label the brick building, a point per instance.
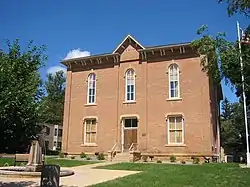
(156, 99)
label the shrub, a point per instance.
(144, 158)
(100, 156)
(183, 162)
(65, 154)
(159, 161)
(96, 153)
(88, 158)
(196, 160)
(172, 158)
(72, 157)
(51, 152)
(151, 157)
(83, 155)
(61, 155)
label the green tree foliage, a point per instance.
(233, 136)
(52, 105)
(237, 6)
(221, 59)
(20, 91)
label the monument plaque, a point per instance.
(50, 176)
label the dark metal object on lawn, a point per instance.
(50, 176)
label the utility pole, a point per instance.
(243, 93)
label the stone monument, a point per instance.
(35, 160)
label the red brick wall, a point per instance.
(152, 106)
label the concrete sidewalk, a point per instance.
(84, 176)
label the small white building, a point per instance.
(52, 136)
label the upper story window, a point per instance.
(130, 85)
(91, 88)
(47, 129)
(174, 83)
(55, 132)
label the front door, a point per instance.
(130, 132)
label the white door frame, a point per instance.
(124, 128)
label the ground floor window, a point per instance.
(90, 131)
(175, 130)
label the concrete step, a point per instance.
(126, 157)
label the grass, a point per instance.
(50, 160)
(207, 175)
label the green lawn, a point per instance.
(168, 175)
(61, 162)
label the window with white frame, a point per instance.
(174, 85)
(91, 88)
(175, 130)
(130, 85)
(90, 130)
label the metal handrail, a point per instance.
(114, 147)
(132, 146)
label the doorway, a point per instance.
(129, 133)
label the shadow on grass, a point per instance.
(25, 184)
(18, 184)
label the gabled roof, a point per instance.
(130, 39)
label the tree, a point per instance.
(52, 105)
(20, 91)
(233, 137)
(221, 59)
(237, 6)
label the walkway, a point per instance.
(84, 176)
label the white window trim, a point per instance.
(126, 83)
(88, 82)
(169, 81)
(181, 143)
(85, 130)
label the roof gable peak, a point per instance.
(128, 40)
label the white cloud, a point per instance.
(55, 69)
(75, 53)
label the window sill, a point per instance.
(129, 102)
(89, 145)
(174, 99)
(90, 104)
(175, 145)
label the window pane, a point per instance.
(172, 92)
(93, 127)
(92, 137)
(178, 123)
(88, 126)
(171, 123)
(127, 123)
(128, 89)
(132, 96)
(172, 136)
(128, 97)
(87, 137)
(132, 88)
(92, 99)
(178, 136)
(134, 123)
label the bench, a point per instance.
(24, 158)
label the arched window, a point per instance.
(130, 85)
(91, 88)
(174, 85)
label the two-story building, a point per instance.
(52, 136)
(157, 98)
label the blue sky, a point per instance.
(92, 27)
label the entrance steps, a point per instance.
(123, 157)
